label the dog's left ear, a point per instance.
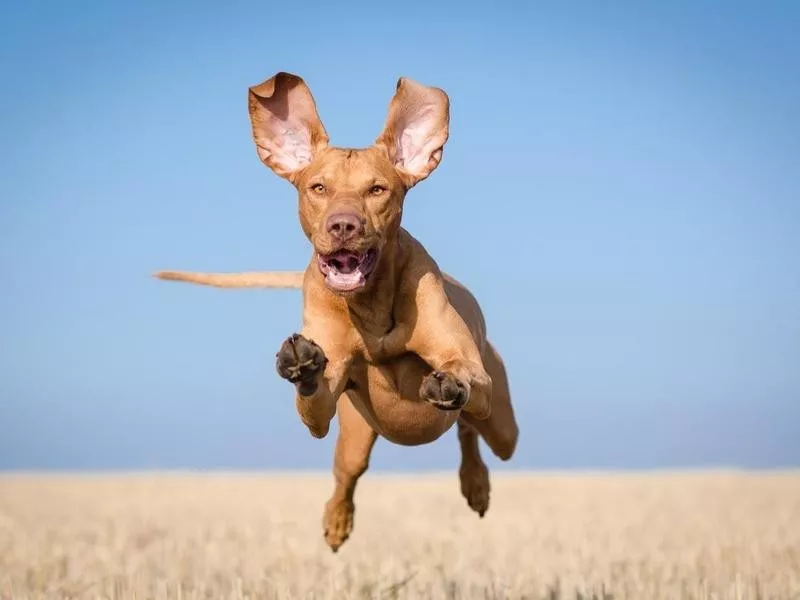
(416, 130)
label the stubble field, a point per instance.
(700, 535)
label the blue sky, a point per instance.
(621, 191)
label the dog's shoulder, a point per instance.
(418, 262)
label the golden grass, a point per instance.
(702, 535)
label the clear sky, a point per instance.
(621, 191)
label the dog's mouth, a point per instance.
(347, 270)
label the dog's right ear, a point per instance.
(286, 127)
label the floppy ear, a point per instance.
(286, 127)
(416, 129)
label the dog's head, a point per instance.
(350, 201)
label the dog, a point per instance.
(389, 343)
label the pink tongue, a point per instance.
(344, 280)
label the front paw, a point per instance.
(444, 391)
(300, 361)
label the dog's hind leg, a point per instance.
(351, 460)
(500, 430)
(473, 474)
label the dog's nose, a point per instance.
(344, 226)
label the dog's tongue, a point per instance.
(345, 281)
(344, 270)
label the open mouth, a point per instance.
(346, 270)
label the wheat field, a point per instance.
(645, 536)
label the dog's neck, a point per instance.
(372, 311)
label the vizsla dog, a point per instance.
(392, 345)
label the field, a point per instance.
(698, 535)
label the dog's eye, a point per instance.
(318, 188)
(376, 190)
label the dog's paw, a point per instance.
(337, 523)
(475, 486)
(300, 361)
(444, 391)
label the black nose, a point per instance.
(345, 225)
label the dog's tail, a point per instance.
(250, 279)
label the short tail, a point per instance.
(253, 279)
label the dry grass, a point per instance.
(703, 535)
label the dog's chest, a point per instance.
(371, 348)
(368, 339)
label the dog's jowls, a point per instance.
(392, 345)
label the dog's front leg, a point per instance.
(457, 382)
(441, 338)
(318, 379)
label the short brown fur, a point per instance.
(405, 355)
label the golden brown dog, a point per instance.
(389, 342)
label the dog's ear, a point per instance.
(416, 129)
(286, 127)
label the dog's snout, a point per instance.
(345, 225)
